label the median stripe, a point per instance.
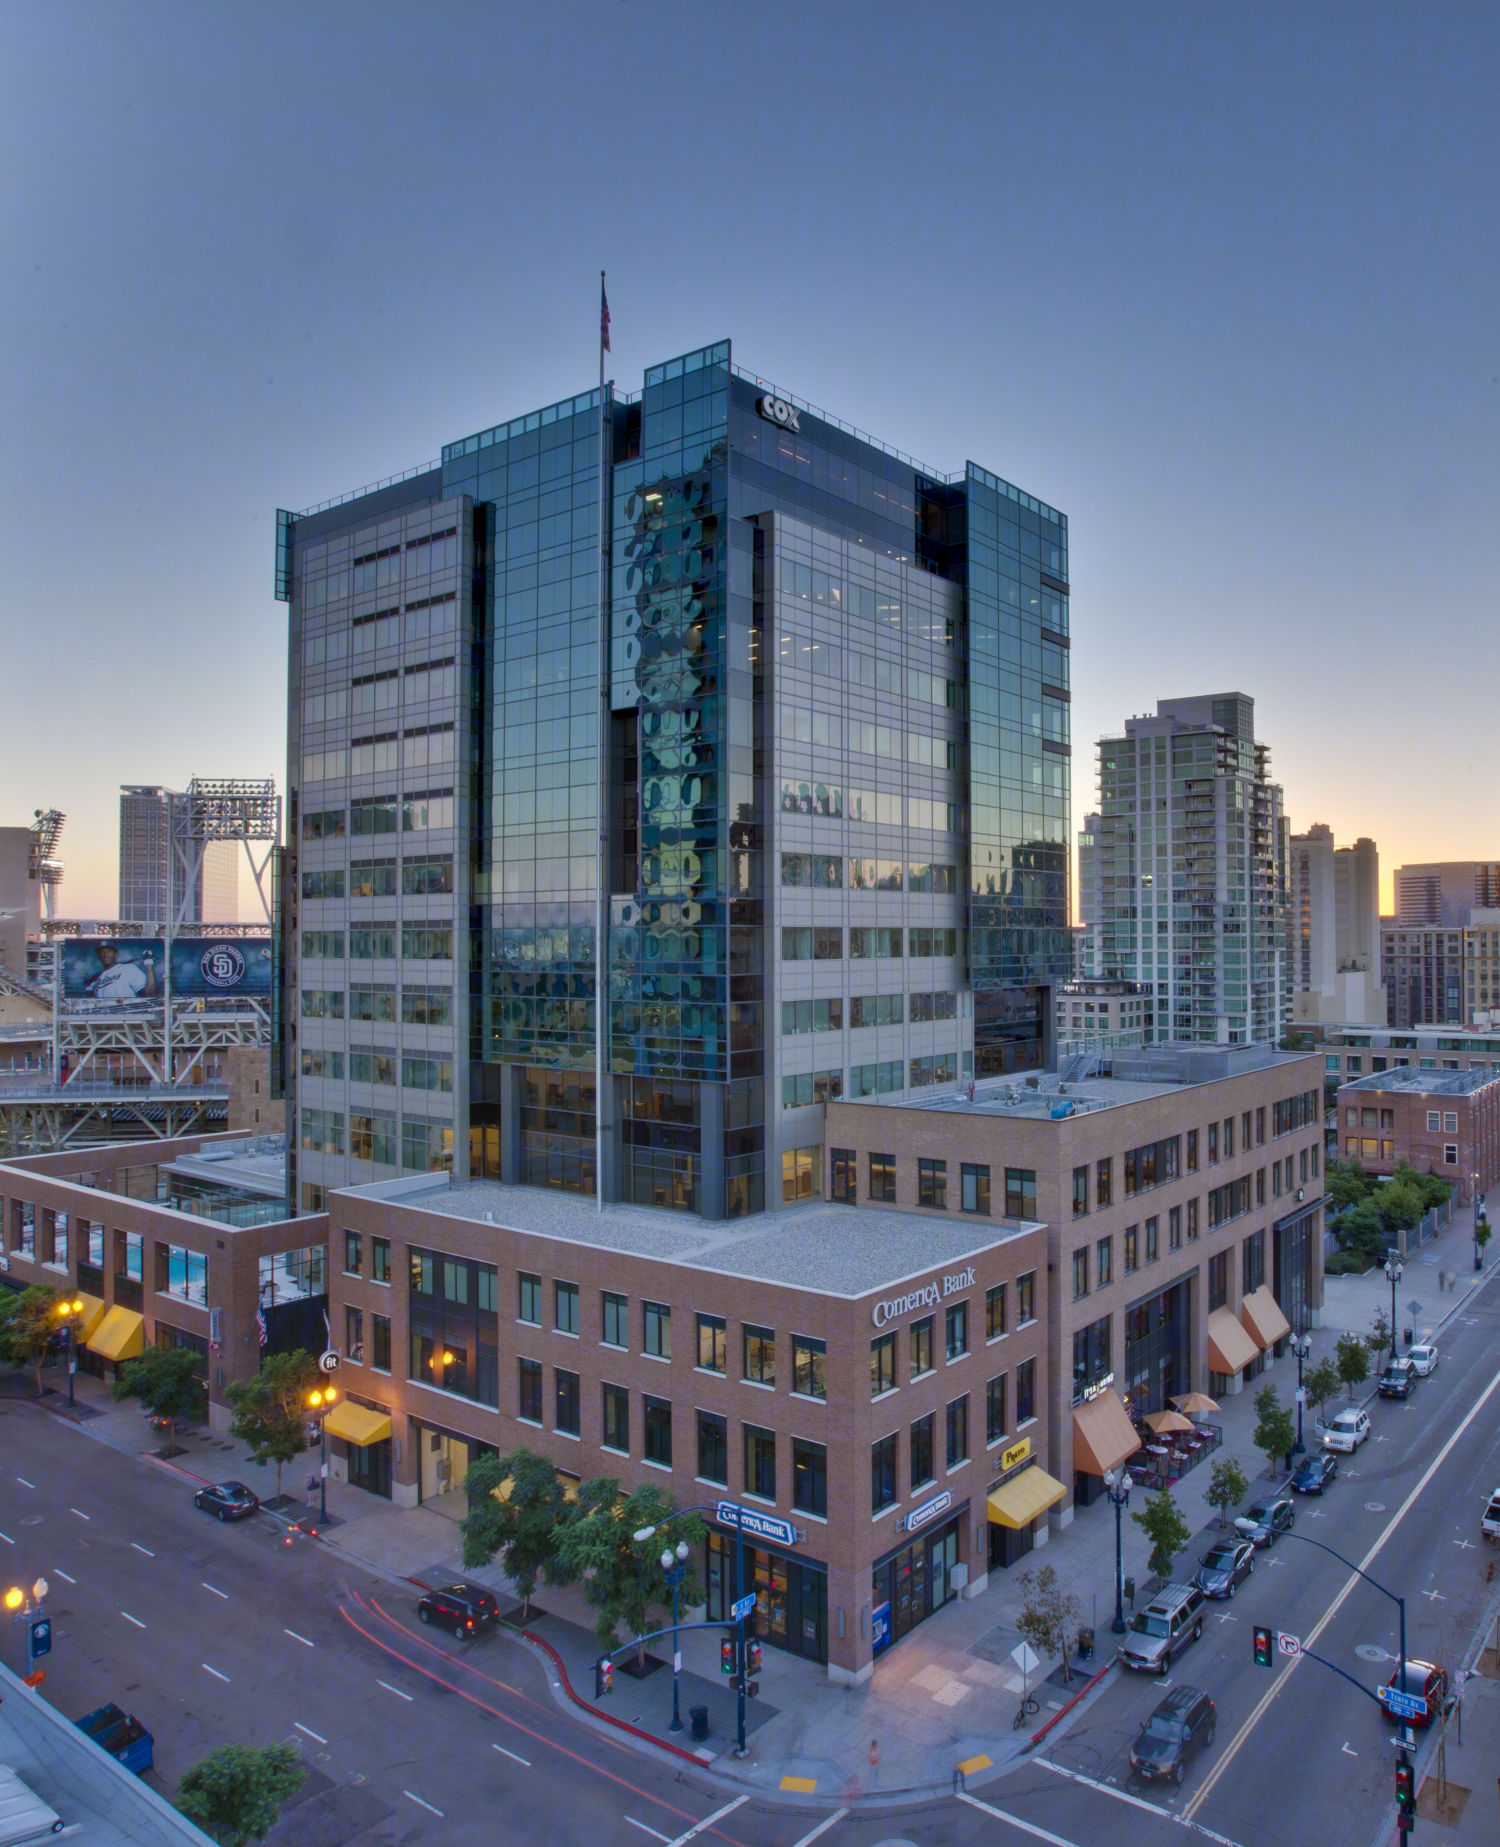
(215, 1672)
(422, 1805)
(132, 1619)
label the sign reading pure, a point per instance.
(928, 1296)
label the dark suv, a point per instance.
(463, 1608)
(1182, 1724)
(1397, 1379)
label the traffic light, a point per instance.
(1263, 1646)
(1406, 1787)
(604, 1677)
(726, 1653)
(609, 1676)
(752, 1656)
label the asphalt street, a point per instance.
(213, 1633)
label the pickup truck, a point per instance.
(1489, 1524)
(122, 1735)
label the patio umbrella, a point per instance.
(1163, 1422)
(1195, 1403)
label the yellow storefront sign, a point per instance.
(1018, 1452)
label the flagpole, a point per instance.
(601, 867)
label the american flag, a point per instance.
(603, 315)
(260, 1326)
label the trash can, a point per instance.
(699, 1717)
(1130, 1591)
(1406, 1332)
(1085, 1644)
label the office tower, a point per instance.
(1443, 893)
(1086, 957)
(154, 877)
(836, 756)
(1334, 941)
(1191, 850)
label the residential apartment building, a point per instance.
(1094, 1012)
(1191, 856)
(1442, 1122)
(1086, 960)
(835, 763)
(155, 873)
(1443, 892)
(1423, 970)
(1335, 929)
(1358, 1051)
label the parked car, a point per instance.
(230, 1500)
(1489, 1520)
(1159, 1633)
(1424, 1358)
(1425, 1681)
(1347, 1431)
(1397, 1379)
(463, 1608)
(1314, 1474)
(1224, 1567)
(122, 1735)
(1182, 1725)
(1264, 1519)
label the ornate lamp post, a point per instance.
(674, 1567)
(68, 1311)
(1394, 1271)
(1301, 1345)
(322, 1401)
(1117, 1487)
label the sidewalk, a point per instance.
(1456, 1771)
(946, 1696)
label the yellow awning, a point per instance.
(507, 1487)
(121, 1335)
(357, 1425)
(1103, 1435)
(1230, 1348)
(1017, 1503)
(1263, 1319)
(93, 1314)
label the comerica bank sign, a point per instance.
(928, 1296)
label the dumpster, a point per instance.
(122, 1735)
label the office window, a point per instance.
(529, 1391)
(353, 1253)
(1020, 1193)
(882, 1364)
(1229, 1138)
(809, 1366)
(1025, 1298)
(809, 1477)
(883, 1177)
(380, 1260)
(1260, 1186)
(1153, 1164)
(882, 1473)
(1213, 1142)
(713, 1447)
(567, 1401)
(994, 1312)
(529, 1298)
(994, 1409)
(760, 1355)
(1104, 1262)
(658, 1416)
(845, 1168)
(760, 1462)
(921, 1450)
(1450, 1154)
(1025, 1392)
(1253, 1261)
(380, 1343)
(1192, 1219)
(956, 1342)
(656, 1330)
(616, 1320)
(1174, 1228)
(1132, 1242)
(1080, 1272)
(1153, 1240)
(1450, 1122)
(1260, 1125)
(712, 1343)
(1080, 1191)
(617, 1418)
(1192, 1151)
(975, 1183)
(919, 1357)
(1103, 1189)
(354, 1334)
(1218, 1280)
(932, 1184)
(957, 1423)
(565, 1299)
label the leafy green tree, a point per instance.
(28, 1327)
(1351, 1358)
(1319, 1384)
(271, 1410)
(1163, 1524)
(1379, 1338)
(237, 1792)
(1275, 1427)
(167, 1380)
(1482, 1236)
(1345, 1184)
(1227, 1487)
(1047, 1614)
(621, 1578)
(1363, 1231)
(521, 1529)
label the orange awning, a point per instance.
(1263, 1319)
(1103, 1435)
(1230, 1348)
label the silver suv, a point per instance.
(1159, 1633)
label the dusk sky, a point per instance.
(1221, 288)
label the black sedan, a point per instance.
(1224, 1567)
(1261, 1522)
(229, 1500)
(1315, 1474)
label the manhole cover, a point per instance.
(1371, 1651)
(1374, 1507)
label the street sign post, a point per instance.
(1403, 1705)
(739, 1611)
(1289, 1644)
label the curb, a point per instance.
(622, 1725)
(1063, 1711)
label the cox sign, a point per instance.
(777, 410)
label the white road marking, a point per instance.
(1464, 1545)
(519, 1760)
(708, 1821)
(24, 1483)
(1026, 1827)
(299, 1638)
(396, 1690)
(215, 1589)
(1138, 1802)
(62, 1574)
(1345, 1748)
(7, 1538)
(645, 1830)
(81, 1514)
(1227, 1618)
(215, 1672)
(422, 1805)
(132, 1619)
(1435, 1593)
(309, 1731)
(822, 1828)
(146, 1549)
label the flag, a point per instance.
(260, 1326)
(603, 316)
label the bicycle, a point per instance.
(1028, 1708)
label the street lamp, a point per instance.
(674, 1565)
(321, 1400)
(1301, 1345)
(1117, 1487)
(67, 1312)
(1394, 1271)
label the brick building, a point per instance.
(1442, 1122)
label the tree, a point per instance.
(27, 1328)
(1165, 1527)
(1319, 1383)
(270, 1410)
(620, 1578)
(237, 1791)
(1275, 1427)
(1351, 1358)
(522, 1528)
(1379, 1338)
(1481, 1238)
(1345, 1184)
(1227, 1487)
(1047, 1614)
(167, 1380)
